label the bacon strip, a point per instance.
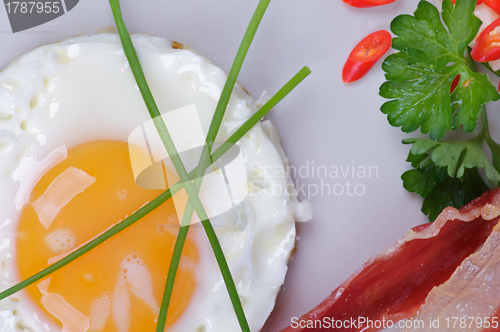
(467, 300)
(393, 284)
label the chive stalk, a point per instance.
(166, 139)
(169, 145)
(163, 197)
(190, 188)
(173, 189)
(202, 165)
(181, 237)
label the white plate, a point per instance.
(323, 123)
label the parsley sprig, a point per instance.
(432, 51)
(420, 75)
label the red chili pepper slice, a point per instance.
(487, 47)
(367, 3)
(493, 4)
(365, 54)
(454, 83)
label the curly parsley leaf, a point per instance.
(438, 188)
(420, 75)
(455, 156)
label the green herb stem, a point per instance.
(484, 122)
(167, 140)
(203, 164)
(485, 132)
(94, 243)
(162, 198)
(181, 237)
(487, 65)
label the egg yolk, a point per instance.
(118, 285)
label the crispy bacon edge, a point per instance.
(394, 283)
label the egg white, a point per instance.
(81, 90)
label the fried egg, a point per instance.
(66, 114)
